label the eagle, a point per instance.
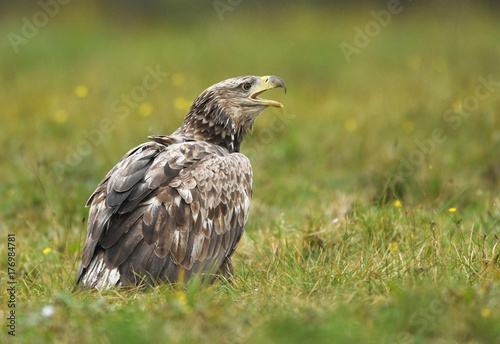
(177, 206)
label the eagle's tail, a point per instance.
(97, 275)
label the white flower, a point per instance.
(48, 311)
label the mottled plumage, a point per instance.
(178, 206)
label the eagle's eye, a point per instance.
(246, 86)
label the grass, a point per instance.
(363, 228)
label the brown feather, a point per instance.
(115, 255)
(118, 226)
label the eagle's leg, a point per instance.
(226, 271)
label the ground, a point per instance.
(375, 212)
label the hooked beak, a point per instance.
(267, 83)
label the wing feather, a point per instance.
(118, 226)
(116, 254)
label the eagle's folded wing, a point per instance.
(166, 209)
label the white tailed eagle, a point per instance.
(177, 207)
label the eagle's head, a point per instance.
(226, 111)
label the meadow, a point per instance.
(375, 215)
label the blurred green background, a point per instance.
(391, 106)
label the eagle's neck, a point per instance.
(215, 127)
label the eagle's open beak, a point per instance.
(268, 82)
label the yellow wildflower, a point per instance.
(393, 246)
(457, 106)
(351, 125)
(61, 116)
(81, 91)
(408, 126)
(145, 109)
(181, 297)
(182, 104)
